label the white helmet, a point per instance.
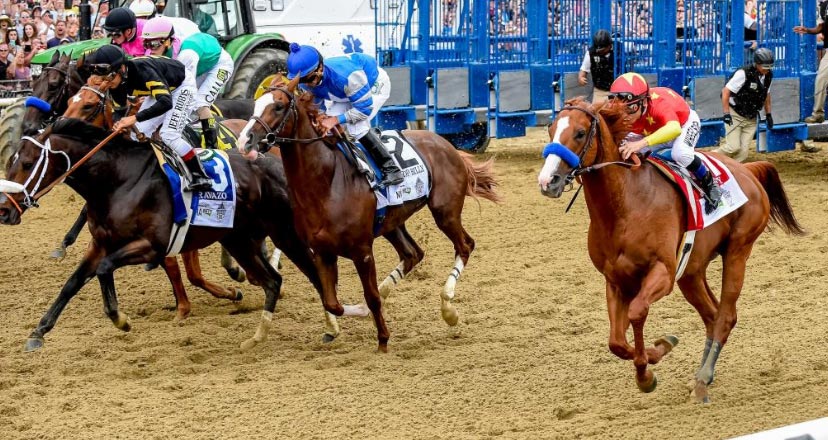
(142, 8)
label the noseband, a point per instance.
(101, 103)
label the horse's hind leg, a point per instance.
(410, 255)
(734, 262)
(182, 303)
(697, 292)
(71, 236)
(448, 220)
(196, 277)
(618, 308)
(235, 272)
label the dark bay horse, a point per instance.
(130, 215)
(637, 220)
(91, 104)
(335, 208)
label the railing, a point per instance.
(12, 90)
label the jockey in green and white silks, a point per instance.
(206, 63)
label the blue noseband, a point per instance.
(564, 153)
(38, 103)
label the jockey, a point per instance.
(167, 103)
(125, 31)
(206, 63)
(665, 120)
(357, 86)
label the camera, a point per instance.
(27, 48)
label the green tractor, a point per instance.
(258, 57)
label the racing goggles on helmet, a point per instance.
(115, 33)
(99, 69)
(153, 44)
(632, 101)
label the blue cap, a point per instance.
(302, 60)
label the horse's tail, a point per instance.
(780, 208)
(482, 182)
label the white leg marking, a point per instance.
(274, 259)
(261, 331)
(391, 280)
(358, 310)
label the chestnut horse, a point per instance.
(130, 224)
(335, 207)
(637, 220)
(91, 104)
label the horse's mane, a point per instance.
(81, 130)
(611, 115)
(306, 102)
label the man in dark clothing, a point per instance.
(600, 61)
(167, 105)
(60, 34)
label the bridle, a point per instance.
(101, 107)
(59, 97)
(272, 137)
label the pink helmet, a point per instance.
(157, 28)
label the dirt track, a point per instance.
(529, 358)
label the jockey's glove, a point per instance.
(769, 121)
(727, 119)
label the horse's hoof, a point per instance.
(384, 290)
(239, 296)
(648, 388)
(248, 344)
(180, 319)
(382, 348)
(327, 339)
(700, 392)
(237, 274)
(669, 342)
(123, 322)
(33, 344)
(450, 314)
(150, 266)
(58, 254)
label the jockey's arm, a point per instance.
(670, 131)
(361, 102)
(163, 101)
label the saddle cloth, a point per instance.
(732, 195)
(215, 208)
(417, 176)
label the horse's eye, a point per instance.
(278, 106)
(26, 165)
(89, 106)
(54, 86)
(580, 134)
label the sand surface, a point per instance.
(529, 358)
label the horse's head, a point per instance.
(91, 104)
(274, 116)
(581, 135)
(32, 168)
(59, 80)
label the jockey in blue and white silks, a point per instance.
(357, 88)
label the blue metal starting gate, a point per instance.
(474, 69)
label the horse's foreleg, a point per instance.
(196, 277)
(248, 253)
(137, 252)
(71, 236)
(367, 270)
(734, 262)
(448, 220)
(182, 303)
(410, 255)
(618, 309)
(235, 272)
(82, 274)
(655, 285)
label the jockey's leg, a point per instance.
(171, 128)
(210, 85)
(683, 154)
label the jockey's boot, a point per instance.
(200, 181)
(392, 175)
(712, 192)
(208, 131)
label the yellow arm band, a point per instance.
(670, 131)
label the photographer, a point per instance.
(20, 68)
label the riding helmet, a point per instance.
(630, 87)
(601, 39)
(109, 54)
(157, 28)
(764, 56)
(302, 60)
(119, 19)
(142, 8)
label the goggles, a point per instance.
(99, 69)
(153, 44)
(114, 34)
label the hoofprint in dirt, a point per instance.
(529, 358)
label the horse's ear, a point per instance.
(55, 58)
(79, 64)
(279, 80)
(293, 84)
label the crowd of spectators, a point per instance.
(29, 27)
